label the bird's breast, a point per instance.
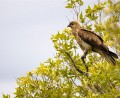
(82, 44)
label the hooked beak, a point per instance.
(68, 26)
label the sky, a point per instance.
(25, 30)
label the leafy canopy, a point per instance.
(64, 75)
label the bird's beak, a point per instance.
(68, 26)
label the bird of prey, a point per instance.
(89, 41)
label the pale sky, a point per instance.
(25, 30)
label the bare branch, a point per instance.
(73, 63)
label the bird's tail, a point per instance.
(109, 56)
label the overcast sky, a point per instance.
(25, 30)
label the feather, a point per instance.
(89, 40)
(92, 33)
(113, 54)
(109, 58)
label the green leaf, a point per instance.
(6, 96)
(82, 19)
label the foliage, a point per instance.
(112, 25)
(64, 76)
(6, 96)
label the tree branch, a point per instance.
(73, 63)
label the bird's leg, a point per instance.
(83, 60)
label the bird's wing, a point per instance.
(91, 38)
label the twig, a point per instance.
(91, 88)
(68, 19)
(99, 89)
(73, 63)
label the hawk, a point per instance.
(90, 41)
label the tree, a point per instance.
(64, 76)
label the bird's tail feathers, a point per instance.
(113, 54)
(109, 56)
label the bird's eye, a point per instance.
(71, 23)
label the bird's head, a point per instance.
(74, 24)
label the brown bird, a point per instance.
(89, 41)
